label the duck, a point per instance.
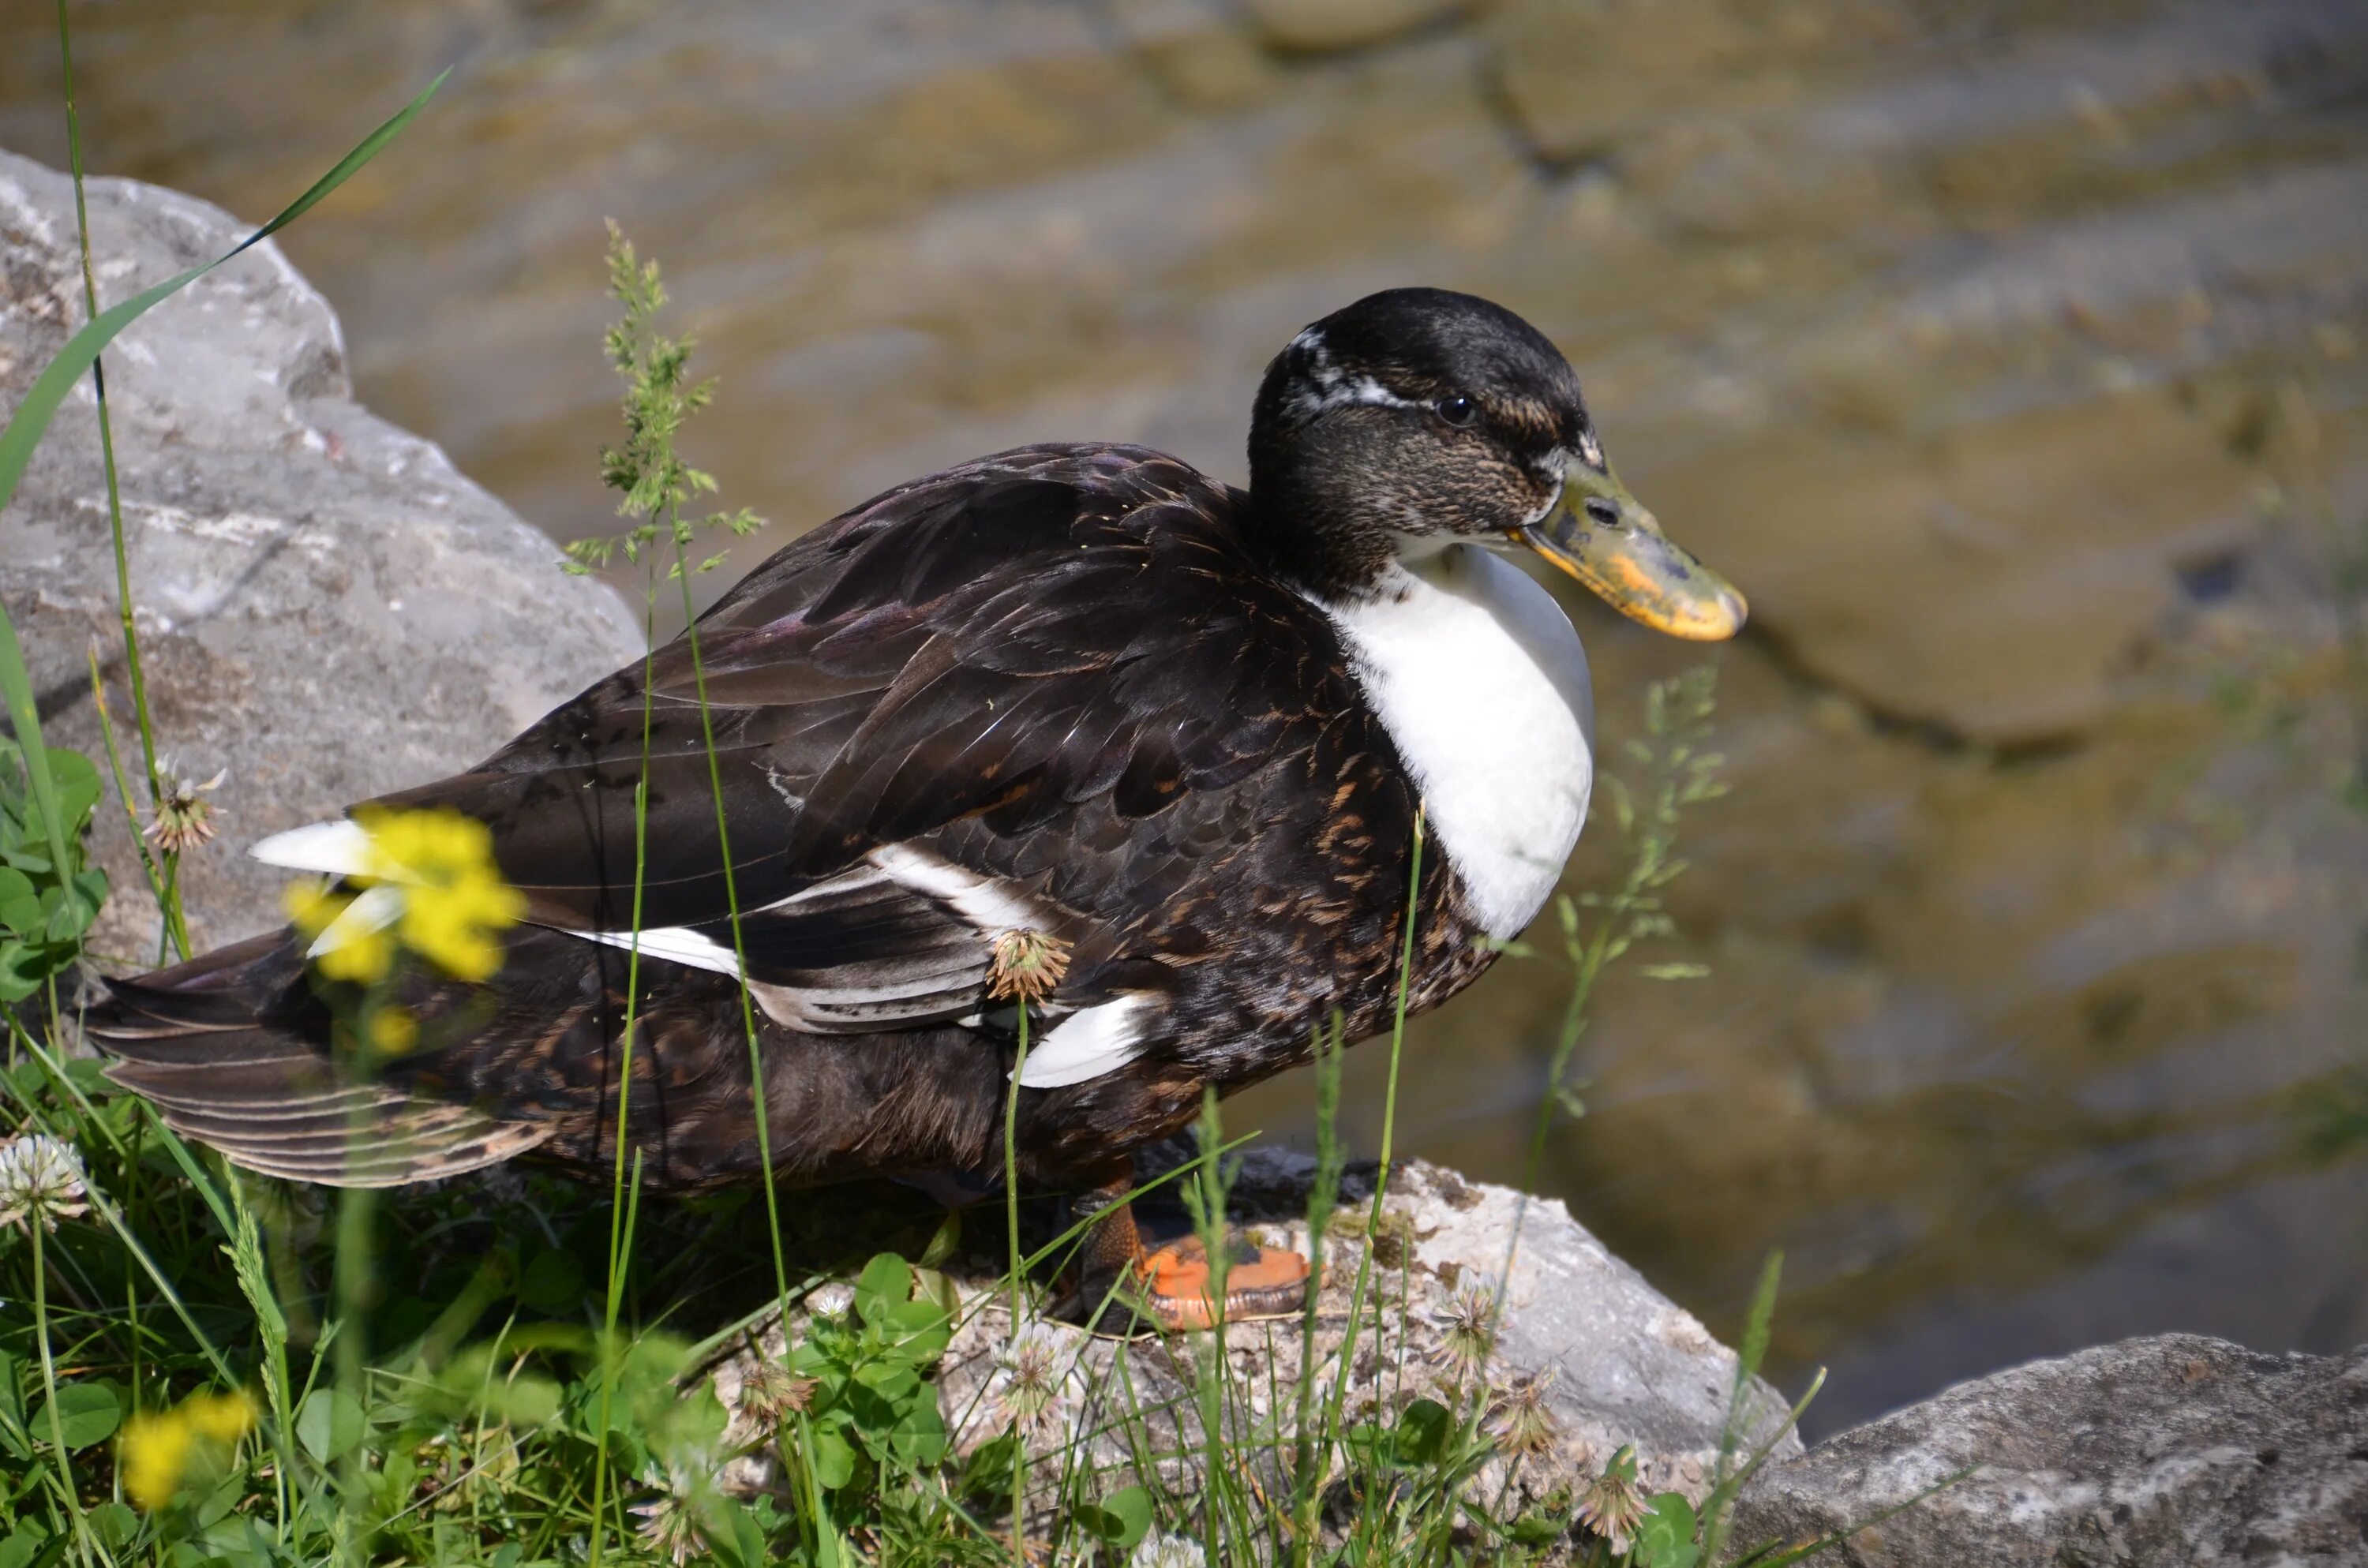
(1075, 733)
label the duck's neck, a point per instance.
(1480, 680)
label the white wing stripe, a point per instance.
(1086, 1045)
(339, 848)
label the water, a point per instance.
(2009, 357)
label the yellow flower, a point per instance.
(156, 1448)
(225, 1417)
(455, 903)
(393, 1031)
(427, 882)
(362, 956)
(156, 1452)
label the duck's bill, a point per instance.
(1600, 535)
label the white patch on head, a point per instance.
(1088, 1044)
(1334, 388)
(1551, 468)
(1480, 680)
(1590, 451)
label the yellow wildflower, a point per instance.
(455, 903)
(427, 881)
(393, 1030)
(362, 956)
(156, 1448)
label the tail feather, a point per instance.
(228, 1049)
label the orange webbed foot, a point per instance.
(1263, 1282)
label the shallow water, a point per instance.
(2011, 357)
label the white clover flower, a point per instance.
(184, 816)
(1468, 1334)
(1033, 1373)
(41, 1178)
(669, 1521)
(1168, 1552)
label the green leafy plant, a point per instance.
(872, 1421)
(49, 891)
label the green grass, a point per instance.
(513, 1370)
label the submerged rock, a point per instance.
(325, 606)
(1317, 26)
(2177, 1448)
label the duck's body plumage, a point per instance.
(1081, 702)
(1049, 691)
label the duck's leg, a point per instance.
(1170, 1284)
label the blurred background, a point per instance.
(2009, 354)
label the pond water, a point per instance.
(2010, 356)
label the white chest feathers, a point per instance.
(1479, 677)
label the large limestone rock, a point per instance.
(325, 606)
(1622, 1363)
(2172, 1449)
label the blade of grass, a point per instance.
(1339, 1397)
(49, 389)
(167, 904)
(1017, 1279)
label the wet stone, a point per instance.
(1318, 26)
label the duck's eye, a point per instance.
(1459, 411)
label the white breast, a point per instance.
(1479, 677)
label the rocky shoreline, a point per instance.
(328, 608)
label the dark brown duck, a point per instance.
(1079, 696)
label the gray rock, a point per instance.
(1623, 1363)
(325, 606)
(2175, 1450)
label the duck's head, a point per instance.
(1419, 418)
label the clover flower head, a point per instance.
(1027, 965)
(424, 880)
(1034, 1370)
(771, 1394)
(1467, 1333)
(670, 1524)
(157, 1445)
(1613, 1505)
(41, 1182)
(1167, 1551)
(1523, 1425)
(183, 817)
